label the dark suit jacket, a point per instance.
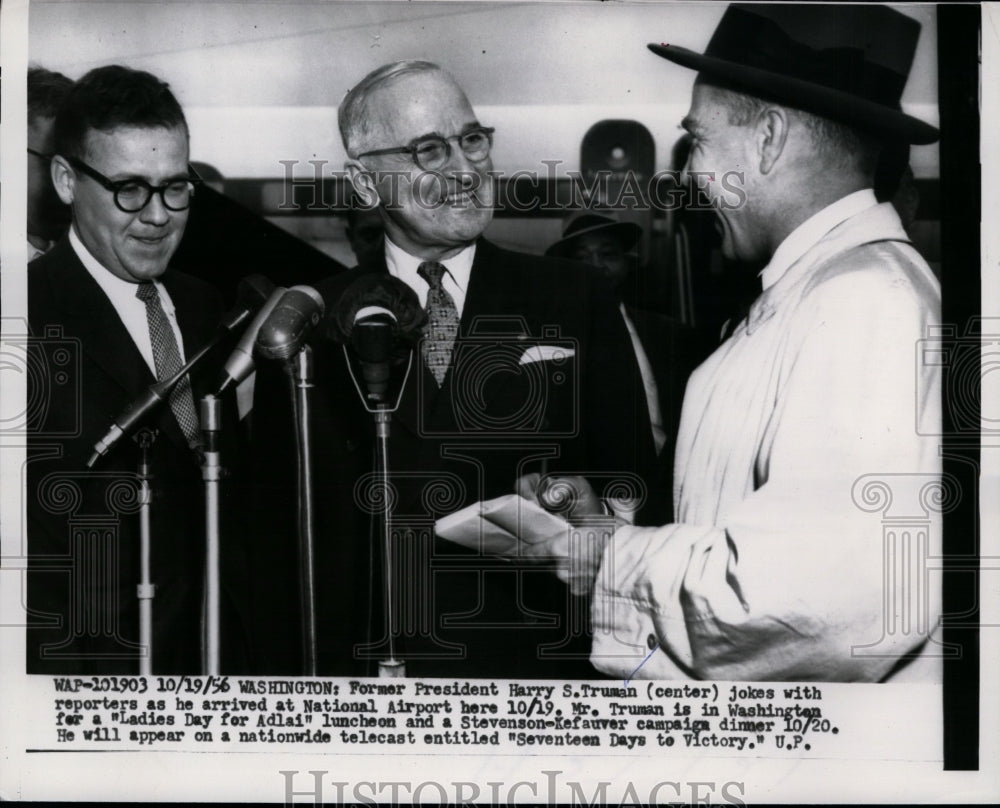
(463, 613)
(674, 350)
(83, 533)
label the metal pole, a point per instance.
(211, 473)
(303, 373)
(146, 589)
(391, 667)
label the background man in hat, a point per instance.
(524, 363)
(776, 563)
(662, 347)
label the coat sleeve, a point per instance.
(821, 571)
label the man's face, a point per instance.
(48, 217)
(602, 251)
(429, 214)
(719, 147)
(134, 246)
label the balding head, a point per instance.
(354, 115)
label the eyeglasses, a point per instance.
(432, 153)
(132, 195)
(46, 157)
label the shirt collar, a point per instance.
(118, 290)
(404, 266)
(807, 234)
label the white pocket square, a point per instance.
(544, 353)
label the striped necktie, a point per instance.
(167, 359)
(442, 321)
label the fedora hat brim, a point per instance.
(627, 233)
(810, 97)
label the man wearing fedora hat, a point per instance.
(812, 424)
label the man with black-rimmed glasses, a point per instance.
(120, 161)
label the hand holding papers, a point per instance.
(493, 527)
(515, 526)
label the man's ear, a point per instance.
(63, 179)
(772, 134)
(363, 183)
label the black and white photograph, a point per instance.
(475, 402)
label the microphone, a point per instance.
(373, 339)
(380, 318)
(286, 328)
(251, 293)
(240, 362)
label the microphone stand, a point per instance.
(145, 589)
(301, 369)
(211, 473)
(389, 667)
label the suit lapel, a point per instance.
(89, 313)
(194, 317)
(103, 335)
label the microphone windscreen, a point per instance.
(379, 290)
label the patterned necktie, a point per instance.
(442, 321)
(167, 359)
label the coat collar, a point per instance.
(879, 223)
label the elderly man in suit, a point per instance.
(777, 564)
(523, 364)
(120, 160)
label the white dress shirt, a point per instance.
(130, 309)
(455, 281)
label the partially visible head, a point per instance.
(603, 251)
(365, 232)
(47, 216)
(601, 240)
(125, 125)
(431, 213)
(787, 164)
